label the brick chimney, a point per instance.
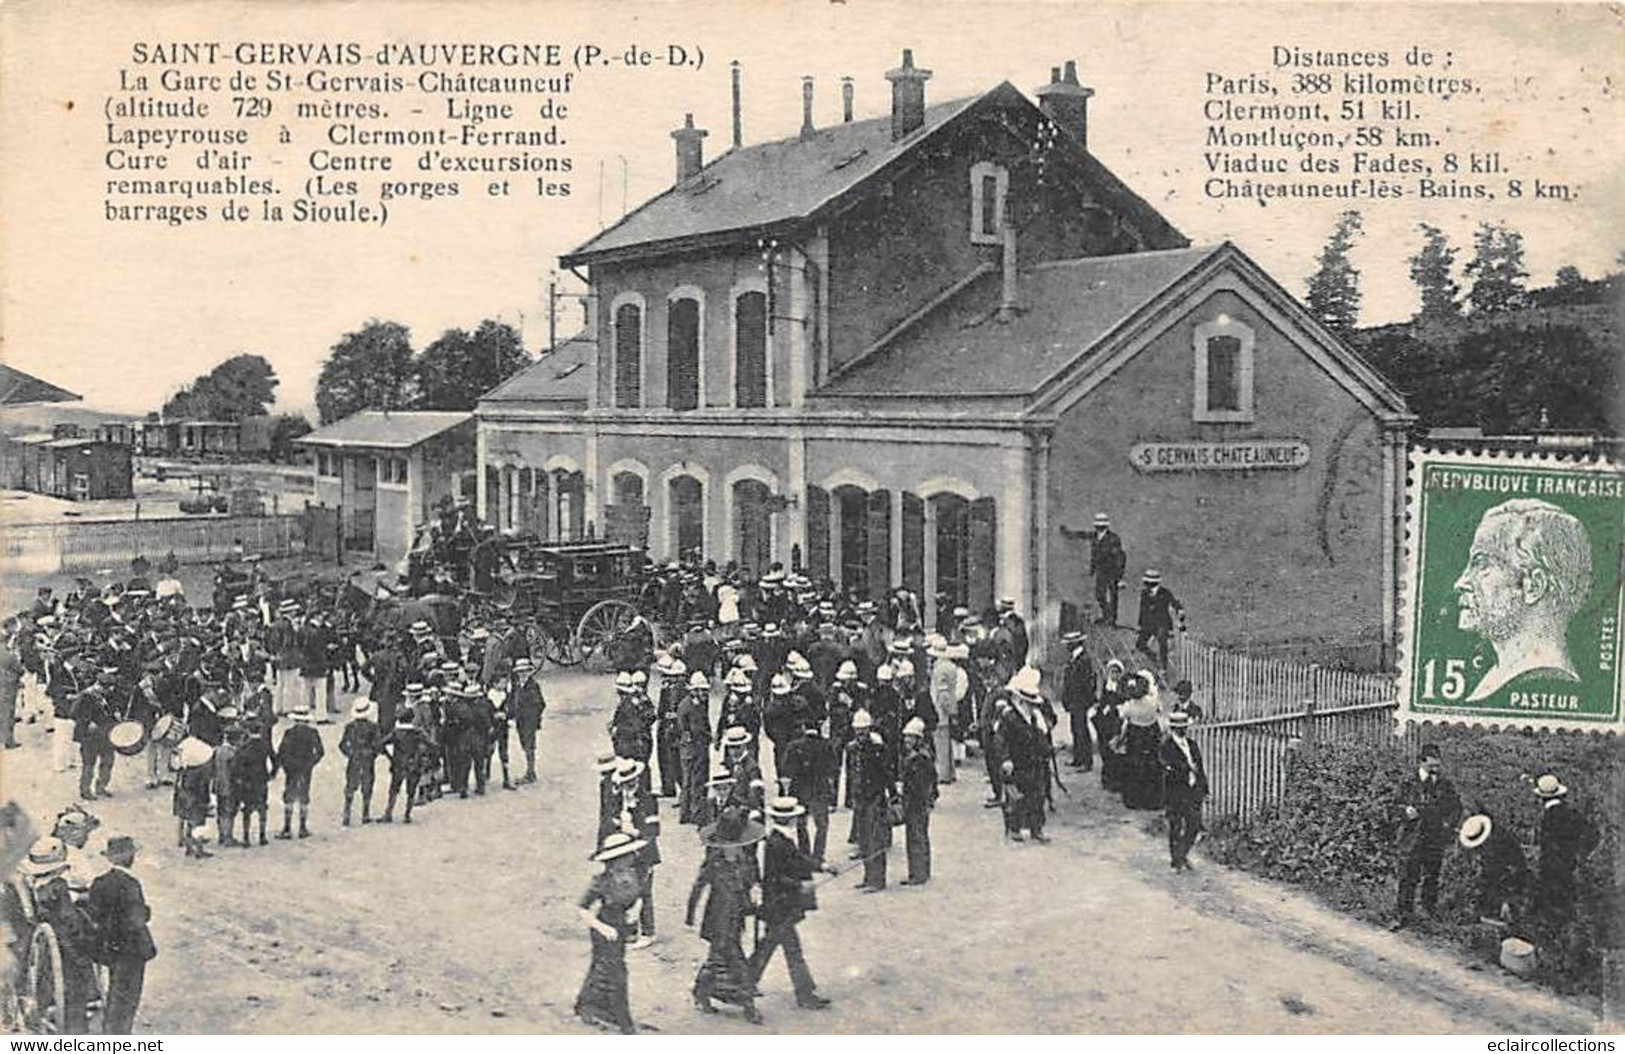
(1066, 102)
(690, 149)
(846, 100)
(807, 127)
(739, 129)
(907, 96)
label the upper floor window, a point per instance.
(683, 353)
(1224, 371)
(750, 350)
(988, 185)
(629, 355)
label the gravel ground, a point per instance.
(465, 922)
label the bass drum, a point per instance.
(128, 737)
(168, 730)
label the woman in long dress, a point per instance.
(1108, 723)
(729, 871)
(604, 998)
(1142, 739)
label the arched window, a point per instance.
(686, 500)
(753, 524)
(750, 350)
(628, 356)
(683, 353)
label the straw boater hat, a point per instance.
(781, 685)
(847, 671)
(674, 668)
(617, 844)
(523, 665)
(302, 713)
(47, 856)
(606, 761)
(915, 727)
(737, 680)
(1026, 683)
(785, 807)
(884, 672)
(1101, 520)
(639, 678)
(1007, 603)
(936, 645)
(772, 630)
(1549, 786)
(1179, 719)
(623, 682)
(1475, 831)
(736, 736)
(732, 828)
(902, 668)
(698, 681)
(416, 687)
(362, 708)
(900, 646)
(627, 769)
(1152, 576)
(1073, 636)
(746, 662)
(862, 720)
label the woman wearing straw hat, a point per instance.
(604, 998)
(725, 881)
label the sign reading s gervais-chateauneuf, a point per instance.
(1236, 455)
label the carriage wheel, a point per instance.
(602, 623)
(45, 998)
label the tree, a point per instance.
(285, 428)
(1431, 271)
(458, 368)
(1496, 270)
(370, 369)
(1569, 275)
(242, 386)
(1334, 290)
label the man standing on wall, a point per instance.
(1106, 563)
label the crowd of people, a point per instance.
(775, 702)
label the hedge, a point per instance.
(1335, 830)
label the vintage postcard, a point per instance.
(722, 518)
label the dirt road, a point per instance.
(465, 922)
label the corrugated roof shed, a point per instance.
(399, 430)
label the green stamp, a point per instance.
(1513, 600)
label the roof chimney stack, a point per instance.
(807, 128)
(690, 149)
(739, 129)
(1066, 102)
(846, 100)
(907, 96)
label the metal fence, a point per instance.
(51, 548)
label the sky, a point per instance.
(127, 314)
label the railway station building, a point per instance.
(926, 349)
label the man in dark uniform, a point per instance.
(787, 896)
(694, 749)
(122, 914)
(1078, 696)
(1184, 783)
(1158, 612)
(919, 776)
(700, 650)
(1430, 808)
(1106, 564)
(92, 720)
(1566, 839)
(477, 733)
(668, 734)
(809, 774)
(456, 722)
(1013, 629)
(873, 772)
(297, 756)
(526, 706)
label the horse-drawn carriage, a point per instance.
(576, 601)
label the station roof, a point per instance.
(397, 430)
(564, 375)
(17, 387)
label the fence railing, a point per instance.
(1248, 758)
(1235, 685)
(51, 548)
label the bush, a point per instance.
(1335, 830)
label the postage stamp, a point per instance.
(1513, 603)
